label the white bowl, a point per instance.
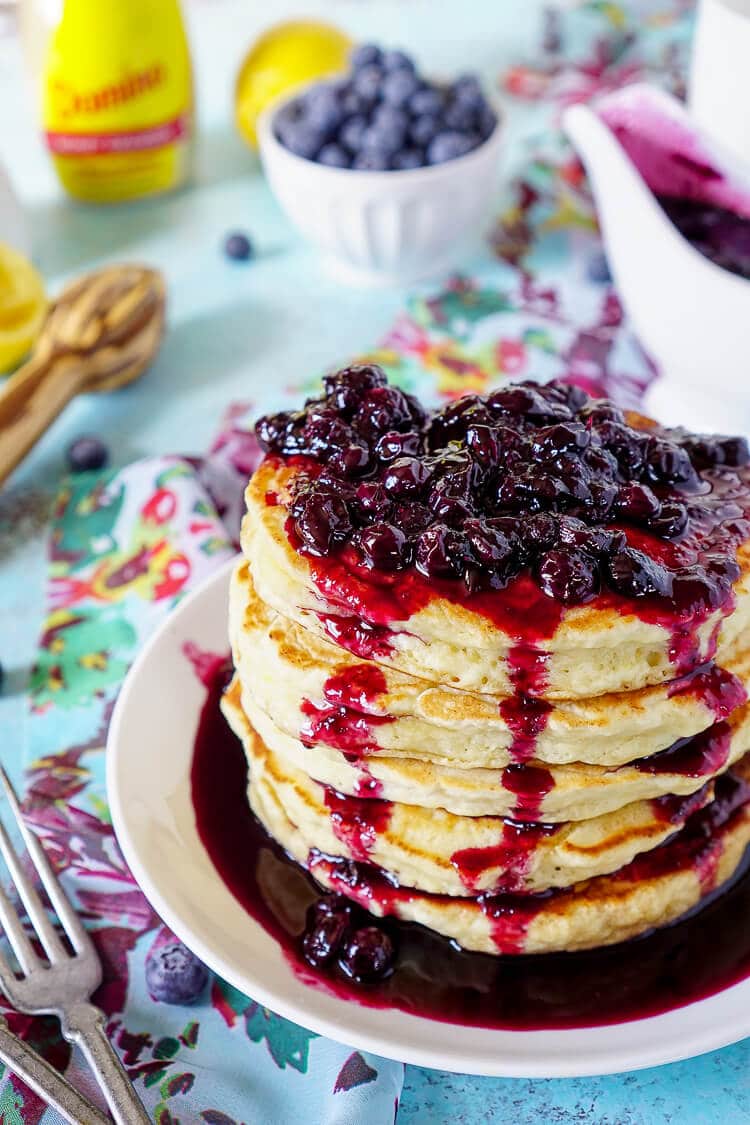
(383, 228)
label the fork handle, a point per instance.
(45, 1081)
(83, 1024)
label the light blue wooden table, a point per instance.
(234, 329)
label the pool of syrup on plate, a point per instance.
(694, 958)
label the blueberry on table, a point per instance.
(87, 453)
(174, 975)
(238, 247)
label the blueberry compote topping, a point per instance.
(536, 480)
(718, 234)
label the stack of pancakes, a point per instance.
(405, 749)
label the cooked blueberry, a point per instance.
(568, 575)
(709, 452)
(86, 454)
(350, 460)
(671, 520)
(412, 517)
(484, 444)
(406, 477)
(394, 444)
(434, 555)
(323, 521)
(370, 501)
(637, 503)
(668, 463)
(552, 440)
(540, 532)
(601, 410)
(238, 246)
(694, 590)
(368, 955)
(384, 546)
(635, 575)
(398, 87)
(364, 55)
(174, 975)
(490, 545)
(334, 156)
(324, 939)
(624, 444)
(448, 145)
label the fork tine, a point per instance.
(38, 915)
(18, 939)
(34, 906)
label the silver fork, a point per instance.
(63, 986)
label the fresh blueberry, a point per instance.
(367, 82)
(352, 132)
(448, 146)
(460, 116)
(87, 453)
(334, 156)
(323, 110)
(426, 100)
(238, 247)
(389, 119)
(486, 121)
(399, 86)
(371, 162)
(364, 55)
(302, 138)
(406, 159)
(352, 103)
(424, 128)
(468, 90)
(174, 975)
(597, 268)
(396, 60)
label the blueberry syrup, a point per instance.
(346, 730)
(697, 957)
(718, 689)
(366, 785)
(513, 854)
(700, 756)
(530, 785)
(675, 809)
(356, 686)
(357, 822)
(720, 235)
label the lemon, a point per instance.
(23, 306)
(285, 56)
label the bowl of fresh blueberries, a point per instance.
(387, 173)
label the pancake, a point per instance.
(289, 672)
(531, 792)
(438, 852)
(427, 629)
(652, 891)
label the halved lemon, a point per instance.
(23, 307)
(287, 55)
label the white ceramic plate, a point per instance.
(148, 777)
